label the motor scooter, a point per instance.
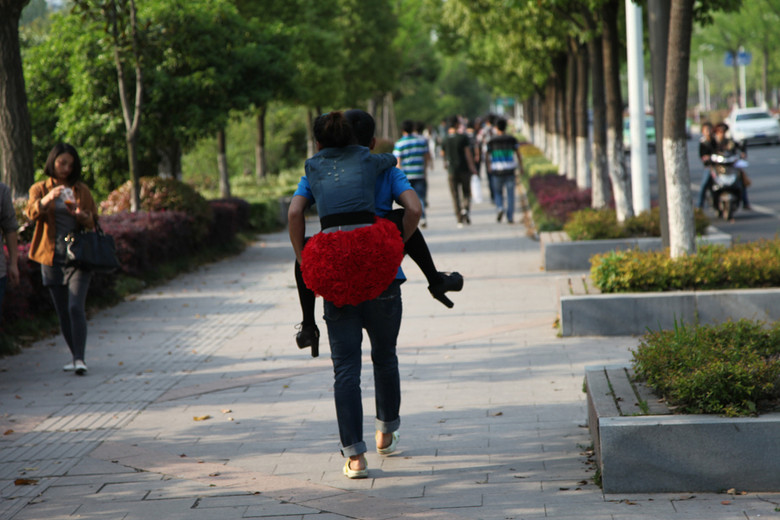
(726, 188)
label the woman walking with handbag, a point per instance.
(60, 205)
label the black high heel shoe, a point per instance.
(448, 282)
(309, 336)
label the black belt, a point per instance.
(346, 219)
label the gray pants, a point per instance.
(70, 301)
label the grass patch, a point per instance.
(731, 369)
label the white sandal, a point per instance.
(355, 473)
(391, 448)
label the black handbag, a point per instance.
(92, 251)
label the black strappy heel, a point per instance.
(449, 282)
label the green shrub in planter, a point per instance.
(729, 369)
(592, 224)
(743, 266)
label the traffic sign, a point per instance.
(743, 58)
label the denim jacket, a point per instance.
(343, 180)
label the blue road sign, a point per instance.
(743, 58)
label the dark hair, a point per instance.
(452, 122)
(59, 149)
(721, 126)
(408, 126)
(332, 130)
(501, 124)
(363, 125)
(707, 124)
(419, 127)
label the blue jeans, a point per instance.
(420, 187)
(706, 181)
(381, 318)
(501, 182)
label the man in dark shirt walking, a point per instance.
(459, 160)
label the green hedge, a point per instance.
(730, 369)
(592, 224)
(743, 266)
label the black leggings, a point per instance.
(70, 301)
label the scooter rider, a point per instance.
(725, 146)
(706, 147)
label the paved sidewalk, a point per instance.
(199, 406)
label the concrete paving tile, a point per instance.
(358, 505)
(38, 510)
(90, 466)
(136, 509)
(56, 492)
(725, 504)
(177, 488)
(278, 509)
(450, 501)
(319, 516)
(234, 500)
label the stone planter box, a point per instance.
(559, 253)
(643, 448)
(627, 314)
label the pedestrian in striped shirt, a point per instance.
(411, 151)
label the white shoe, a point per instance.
(70, 367)
(81, 368)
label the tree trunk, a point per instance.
(16, 154)
(570, 111)
(599, 179)
(658, 29)
(621, 181)
(132, 120)
(560, 111)
(582, 124)
(538, 122)
(678, 180)
(261, 166)
(170, 161)
(549, 121)
(222, 165)
(765, 76)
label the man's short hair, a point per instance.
(408, 126)
(501, 124)
(363, 125)
(452, 122)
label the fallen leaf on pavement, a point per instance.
(25, 482)
(202, 418)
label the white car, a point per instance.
(753, 125)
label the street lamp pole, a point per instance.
(640, 178)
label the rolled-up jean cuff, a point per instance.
(355, 449)
(387, 427)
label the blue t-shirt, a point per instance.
(389, 187)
